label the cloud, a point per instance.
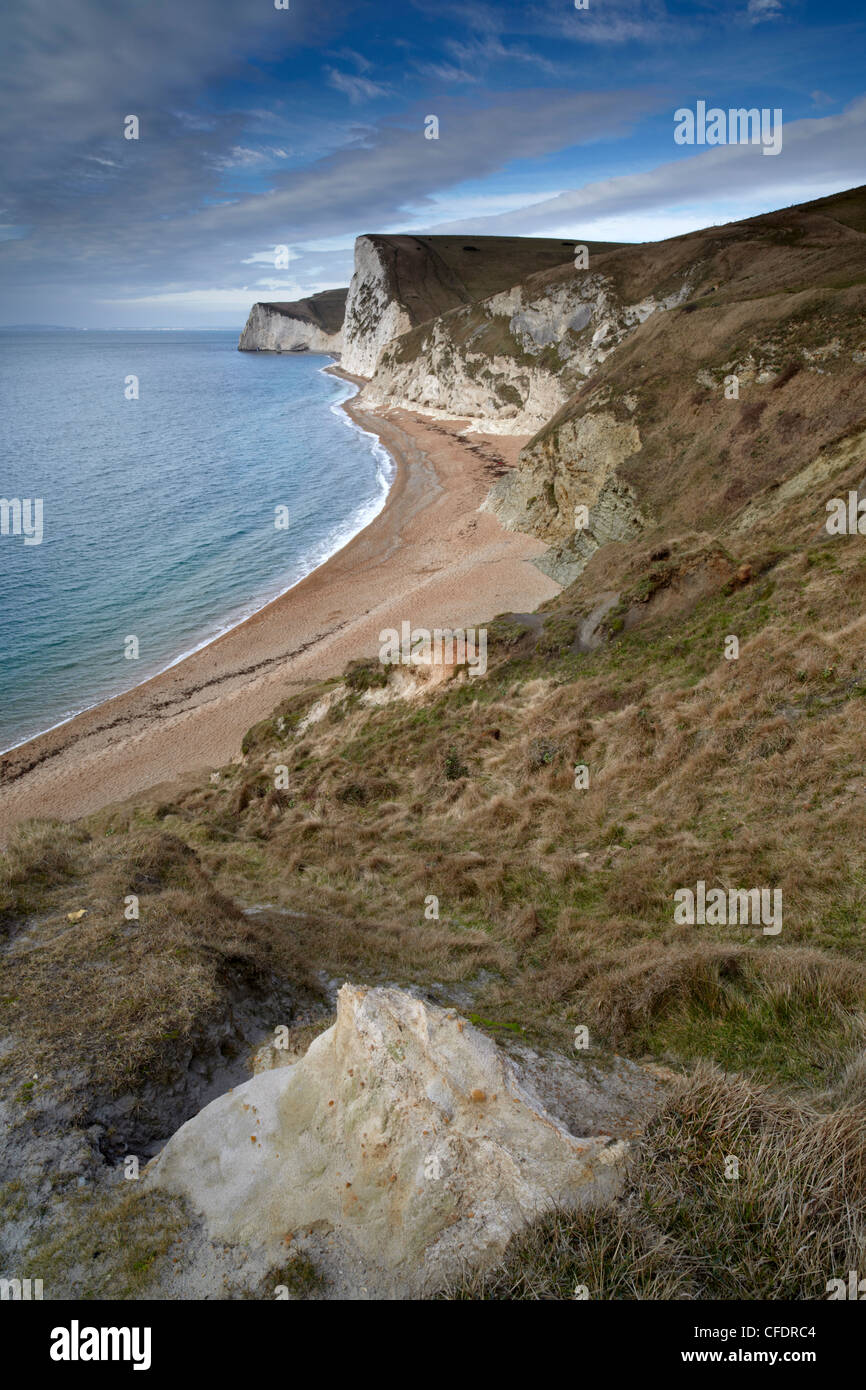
(818, 155)
(355, 87)
(616, 22)
(72, 72)
(760, 10)
(241, 157)
(159, 219)
(248, 141)
(348, 55)
(469, 54)
(447, 72)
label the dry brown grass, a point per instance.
(40, 855)
(104, 1004)
(555, 905)
(790, 1221)
(739, 774)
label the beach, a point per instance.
(429, 557)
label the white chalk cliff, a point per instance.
(374, 312)
(304, 325)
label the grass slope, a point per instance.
(555, 901)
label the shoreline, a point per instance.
(331, 370)
(417, 559)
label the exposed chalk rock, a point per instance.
(403, 1131)
(401, 282)
(509, 362)
(305, 325)
(374, 313)
(574, 464)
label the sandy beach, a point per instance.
(429, 557)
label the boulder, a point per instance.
(403, 1132)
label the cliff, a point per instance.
(643, 376)
(401, 282)
(434, 841)
(755, 368)
(508, 362)
(304, 325)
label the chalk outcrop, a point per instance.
(304, 325)
(374, 312)
(401, 282)
(403, 1131)
(569, 491)
(509, 362)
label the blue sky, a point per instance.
(304, 127)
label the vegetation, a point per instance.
(556, 900)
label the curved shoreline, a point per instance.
(331, 370)
(428, 556)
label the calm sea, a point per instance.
(158, 514)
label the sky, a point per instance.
(303, 127)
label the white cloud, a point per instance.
(219, 299)
(243, 157)
(820, 155)
(760, 10)
(356, 88)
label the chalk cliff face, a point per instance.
(685, 408)
(509, 362)
(512, 336)
(374, 313)
(401, 282)
(305, 325)
(564, 472)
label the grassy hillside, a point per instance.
(433, 274)
(485, 265)
(325, 310)
(556, 901)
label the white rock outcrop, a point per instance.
(374, 315)
(268, 330)
(403, 1132)
(554, 331)
(574, 465)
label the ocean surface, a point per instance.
(159, 513)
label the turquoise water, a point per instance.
(158, 513)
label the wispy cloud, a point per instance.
(356, 87)
(349, 55)
(820, 154)
(760, 10)
(305, 127)
(447, 72)
(242, 157)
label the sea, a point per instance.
(182, 486)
